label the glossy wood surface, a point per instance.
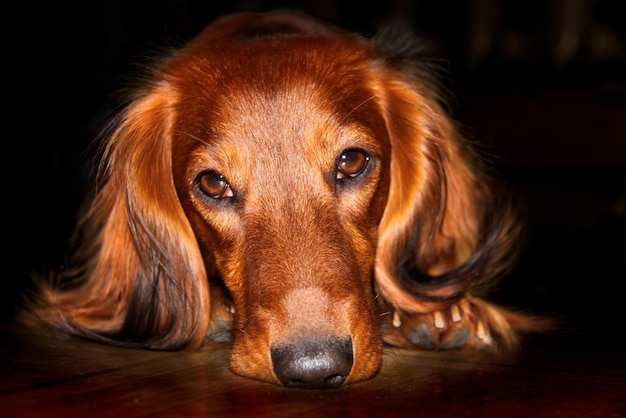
(63, 377)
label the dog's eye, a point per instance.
(351, 163)
(214, 185)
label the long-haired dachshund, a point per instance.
(294, 189)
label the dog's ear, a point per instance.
(443, 233)
(138, 276)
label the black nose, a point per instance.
(313, 365)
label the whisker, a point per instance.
(356, 107)
(202, 141)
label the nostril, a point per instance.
(313, 365)
(334, 381)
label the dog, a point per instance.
(294, 190)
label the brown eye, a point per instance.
(351, 163)
(214, 185)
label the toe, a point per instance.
(422, 338)
(458, 339)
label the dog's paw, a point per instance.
(455, 327)
(467, 323)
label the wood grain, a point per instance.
(65, 377)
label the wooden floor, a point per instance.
(555, 376)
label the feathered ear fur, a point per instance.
(449, 230)
(140, 280)
(443, 233)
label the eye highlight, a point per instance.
(351, 163)
(214, 185)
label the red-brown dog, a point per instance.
(299, 189)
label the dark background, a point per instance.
(542, 82)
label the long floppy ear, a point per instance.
(138, 277)
(444, 234)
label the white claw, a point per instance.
(456, 313)
(480, 331)
(439, 323)
(396, 321)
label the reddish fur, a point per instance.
(296, 256)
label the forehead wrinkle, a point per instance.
(281, 125)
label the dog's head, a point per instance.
(302, 169)
(281, 161)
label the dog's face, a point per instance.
(281, 162)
